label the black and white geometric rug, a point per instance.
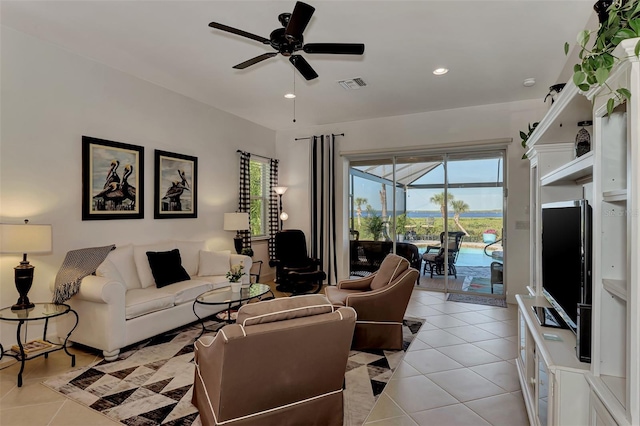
(150, 383)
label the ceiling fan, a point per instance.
(289, 39)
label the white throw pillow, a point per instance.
(122, 260)
(142, 261)
(190, 255)
(214, 263)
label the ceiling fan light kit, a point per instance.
(289, 39)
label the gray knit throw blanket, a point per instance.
(77, 265)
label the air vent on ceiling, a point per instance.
(352, 84)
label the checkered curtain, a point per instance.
(323, 202)
(244, 198)
(274, 219)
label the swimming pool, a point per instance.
(471, 256)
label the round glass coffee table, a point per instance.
(223, 296)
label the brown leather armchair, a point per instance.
(282, 363)
(380, 299)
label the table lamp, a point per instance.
(34, 239)
(236, 222)
(280, 190)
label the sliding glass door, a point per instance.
(444, 212)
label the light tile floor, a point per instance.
(459, 371)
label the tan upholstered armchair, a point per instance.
(380, 299)
(282, 363)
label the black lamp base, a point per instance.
(237, 243)
(22, 304)
(24, 279)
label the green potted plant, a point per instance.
(401, 222)
(619, 20)
(234, 275)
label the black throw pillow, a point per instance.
(166, 267)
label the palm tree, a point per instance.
(439, 200)
(359, 202)
(459, 206)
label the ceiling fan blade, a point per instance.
(335, 48)
(236, 31)
(303, 66)
(255, 60)
(299, 20)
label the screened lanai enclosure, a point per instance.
(444, 213)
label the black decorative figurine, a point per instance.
(553, 91)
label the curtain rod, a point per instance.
(332, 134)
(256, 155)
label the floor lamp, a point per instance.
(280, 190)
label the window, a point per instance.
(259, 195)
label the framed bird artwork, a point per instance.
(112, 180)
(176, 185)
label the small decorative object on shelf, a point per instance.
(554, 91)
(583, 139)
(489, 236)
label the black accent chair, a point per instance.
(410, 252)
(434, 256)
(296, 272)
(367, 256)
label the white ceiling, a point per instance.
(490, 47)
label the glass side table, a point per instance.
(223, 296)
(36, 348)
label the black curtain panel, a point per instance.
(323, 202)
(244, 197)
(274, 219)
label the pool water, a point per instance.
(472, 256)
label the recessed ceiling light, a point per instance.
(440, 71)
(529, 82)
(289, 96)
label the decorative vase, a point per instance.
(235, 287)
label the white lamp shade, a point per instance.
(280, 190)
(30, 239)
(236, 221)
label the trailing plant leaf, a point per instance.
(566, 48)
(597, 61)
(525, 137)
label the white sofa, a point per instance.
(121, 303)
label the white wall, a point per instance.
(49, 99)
(422, 130)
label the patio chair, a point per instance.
(434, 256)
(367, 256)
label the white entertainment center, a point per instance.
(558, 389)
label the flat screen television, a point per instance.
(566, 258)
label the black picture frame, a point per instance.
(175, 186)
(112, 180)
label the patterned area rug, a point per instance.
(150, 383)
(477, 300)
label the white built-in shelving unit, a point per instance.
(606, 391)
